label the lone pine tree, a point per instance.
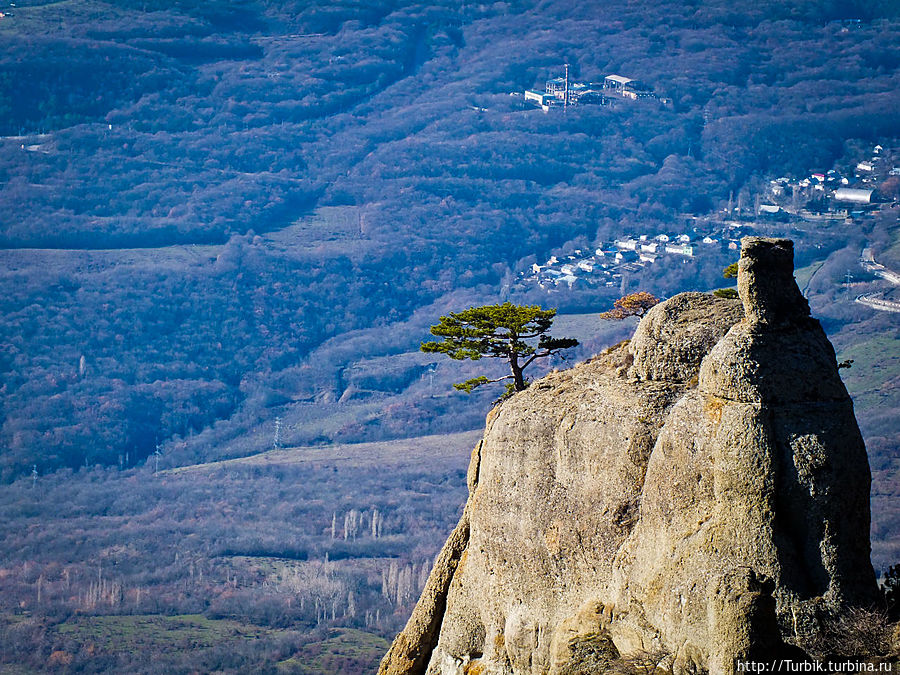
(517, 333)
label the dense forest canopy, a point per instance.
(165, 168)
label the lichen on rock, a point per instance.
(697, 495)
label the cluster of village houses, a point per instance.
(562, 91)
(847, 195)
(606, 265)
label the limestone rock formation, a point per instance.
(695, 496)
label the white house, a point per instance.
(680, 249)
(626, 244)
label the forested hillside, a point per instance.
(219, 218)
(167, 155)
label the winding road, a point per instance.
(867, 262)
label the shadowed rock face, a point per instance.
(701, 492)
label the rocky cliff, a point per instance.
(699, 494)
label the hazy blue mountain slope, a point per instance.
(247, 181)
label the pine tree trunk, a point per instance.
(518, 379)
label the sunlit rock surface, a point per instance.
(698, 495)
